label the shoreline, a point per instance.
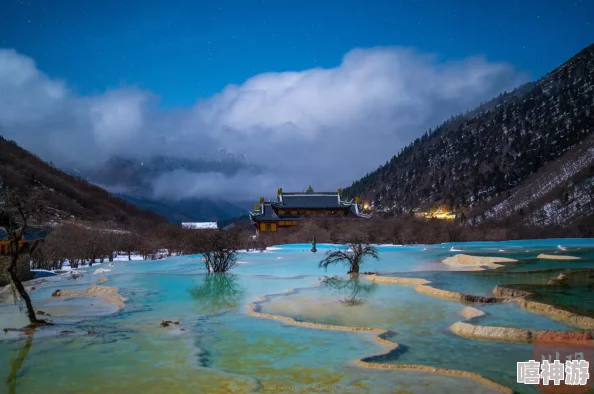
(379, 332)
(462, 328)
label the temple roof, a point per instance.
(354, 210)
(309, 201)
(266, 214)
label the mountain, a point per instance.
(558, 194)
(133, 181)
(495, 151)
(189, 210)
(137, 175)
(67, 195)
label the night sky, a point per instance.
(185, 50)
(282, 93)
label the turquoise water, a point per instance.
(218, 347)
(575, 293)
(419, 323)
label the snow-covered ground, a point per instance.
(541, 184)
(67, 268)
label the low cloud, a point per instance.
(180, 184)
(325, 127)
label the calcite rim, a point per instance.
(378, 338)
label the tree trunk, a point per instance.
(129, 257)
(12, 271)
(102, 259)
(355, 265)
(110, 257)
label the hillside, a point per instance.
(69, 196)
(474, 158)
(559, 193)
(188, 210)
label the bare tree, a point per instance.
(454, 231)
(220, 260)
(219, 250)
(18, 214)
(353, 258)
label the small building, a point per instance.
(291, 208)
(439, 213)
(31, 234)
(201, 225)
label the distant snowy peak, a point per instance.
(138, 173)
(225, 156)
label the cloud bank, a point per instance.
(325, 127)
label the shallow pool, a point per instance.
(218, 347)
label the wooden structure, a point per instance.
(31, 234)
(291, 208)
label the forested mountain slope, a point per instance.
(472, 158)
(561, 192)
(68, 196)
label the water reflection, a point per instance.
(218, 292)
(16, 362)
(354, 288)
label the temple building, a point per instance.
(291, 208)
